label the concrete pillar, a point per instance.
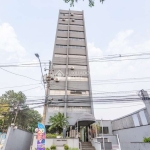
(146, 100)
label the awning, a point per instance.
(85, 119)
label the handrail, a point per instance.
(80, 145)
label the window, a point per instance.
(79, 39)
(64, 13)
(61, 46)
(75, 46)
(75, 31)
(78, 14)
(69, 66)
(62, 30)
(105, 130)
(83, 93)
(62, 56)
(78, 26)
(71, 30)
(77, 79)
(57, 92)
(143, 118)
(135, 120)
(61, 38)
(63, 19)
(61, 24)
(77, 56)
(73, 25)
(75, 92)
(76, 19)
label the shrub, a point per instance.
(73, 149)
(66, 147)
(47, 148)
(146, 140)
(49, 135)
(53, 147)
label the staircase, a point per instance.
(87, 146)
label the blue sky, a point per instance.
(115, 27)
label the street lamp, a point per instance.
(46, 91)
(37, 55)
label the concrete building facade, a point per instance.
(71, 87)
(128, 132)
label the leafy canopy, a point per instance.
(27, 118)
(91, 2)
(58, 122)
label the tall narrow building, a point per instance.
(71, 87)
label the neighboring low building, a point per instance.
(106, 133)
(128, 131)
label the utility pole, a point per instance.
(47, 90)
(145, 97)
(15, 109)
(47, 93)
(103, 135)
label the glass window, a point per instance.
(62, 56)
(79, 39)
(143, 117)
(105, 130)
(61, 38)
(62, 30)
(75, 46)
(135, 120)
(61, 46)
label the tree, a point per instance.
(91, 2)
(27, 118)
(11, 97)
(4, 108)
(96, 127)
(58, 122)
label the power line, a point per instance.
(31, 88)
(94, 59)
(18, 74)
(19, 86)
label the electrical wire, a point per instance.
(19, 86)
(18, 74)
(94, 59)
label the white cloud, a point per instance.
(122, 43)
(10, 47)
(94, 51)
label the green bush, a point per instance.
(47, 148)
(53, 147)
(146, 140)
(66, 147)
(49, 135)
(73, 149)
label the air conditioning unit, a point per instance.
(63, 19)
(56, 79)
(72, 68)
(73, 20)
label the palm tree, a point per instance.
(58, 122)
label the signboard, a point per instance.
(41, 135)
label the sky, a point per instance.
(115, 27)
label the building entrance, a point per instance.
(83, 134)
